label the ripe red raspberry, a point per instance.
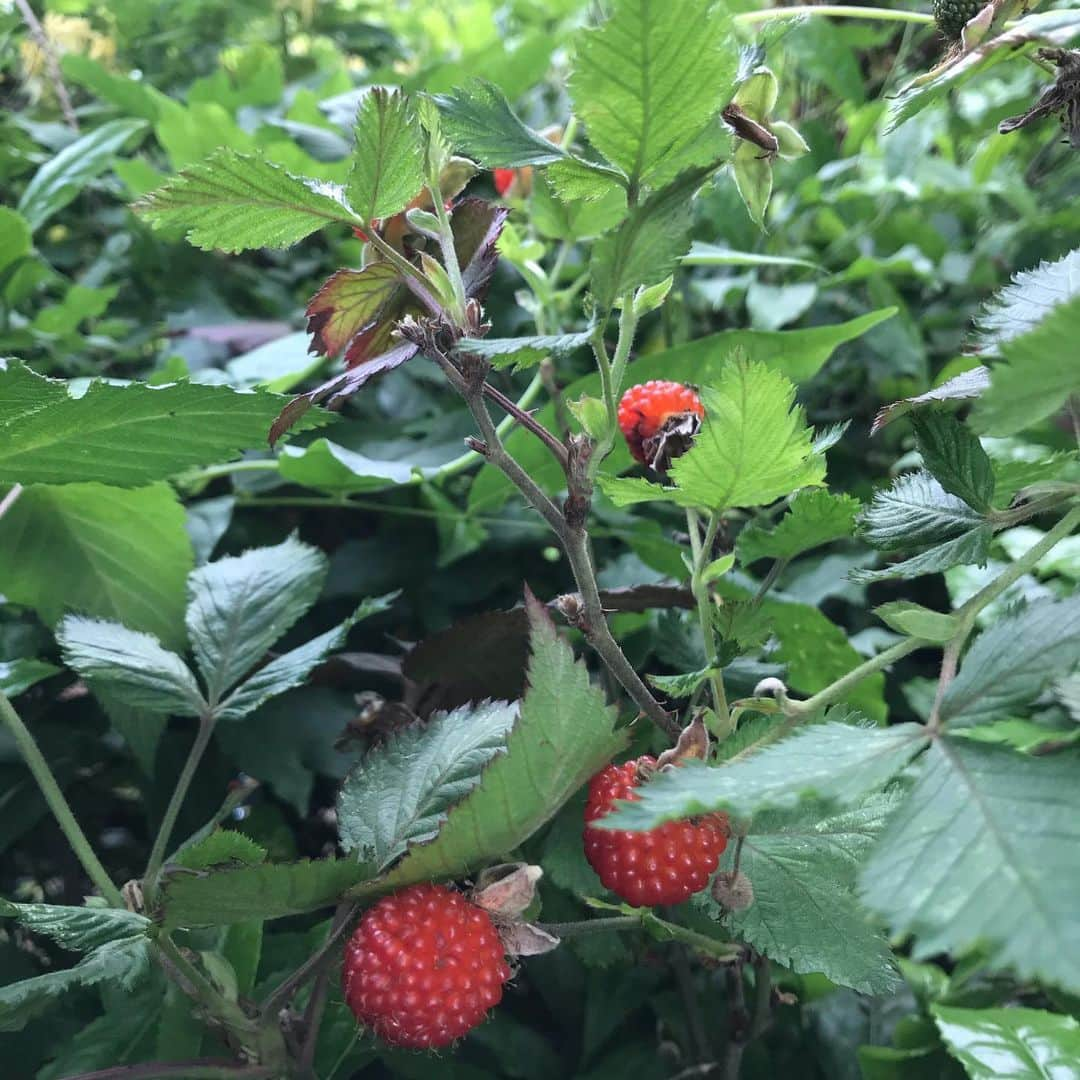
(423, 967)
(644, 409)
(665, 865)
(504, 180)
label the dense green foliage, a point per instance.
(325, 570)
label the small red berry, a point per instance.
(504, 180)
(665, 865)
(645, 408)
(423, 967)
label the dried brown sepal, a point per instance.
(732, 890)
(525, 939)
(506, 890)
(693, 745)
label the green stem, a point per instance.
(41, 772)
(449, 253)
(209, 996)
(612, 375)
(583, 927)
(172, 811)
(836, 11)
(700, 551)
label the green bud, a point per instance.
(757, 95)
(753, 178)
(792, 144)
(591, 414)
(646, 300)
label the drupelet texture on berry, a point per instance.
(952, 16)
(423, 967)
(666, 865)
(645, 408)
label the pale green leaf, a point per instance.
(52, 437)
(968, 384)
(388, 158)
(982, 853)
(233, 202)
(1021, 305)
(118, 554)
(400, 793)
(240, 605)
(831, 762)
(649, 80)
(1020, 1044)
(130, 666)
(815, 517)
(576, 180)
(917, 621)
(479, 122)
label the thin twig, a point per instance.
(527, 420)
(51, 63)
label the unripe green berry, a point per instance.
(952, 16)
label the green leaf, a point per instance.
(802, 866)
(1028, 300)
(134, 97)
(240, 605)
(78, 929)
(523, 352)
(1013, 661)
(479, 122)
(564, 734)
(972, 546)
(1038, 373)
(703, 254)
(59, 181)
(326, 466)
(831, 761)
(17, 676)
(104, 551)
(130, 666)
(575, 180)
(350, 303)
(814, 517)
(1050, 28)
(221, 847)
(114, 1038)
(558, 218)
(753, 174)
(798, 354)
(968, 384)
(980, 854)
(388, 159)
(233, 202)
(1022, 1044)
(648, 245)
(650, 79)
(956, 458)
(916, 510)
(400, 793)
(917, 621)
(265, 891)
(681, 686)
(51, 437)
(292, 668)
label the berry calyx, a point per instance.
(423, 967)
(645, 410)
(665, 865)
(952, 16)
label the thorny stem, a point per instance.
(172, 811)
(43, 775)
(700, 552)
(526, 420)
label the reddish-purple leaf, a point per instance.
(477, 224)
(349, 302)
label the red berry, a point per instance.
(665, 865)
(645, 408)
(504, 180)
(423, 967)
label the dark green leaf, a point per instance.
(956, 458)
(17, 676)
(388, 159)
(815, 517)
(962, 387)
(681, 686)
(523, 352)
(78, 929)
(969, 547)
(916, 510)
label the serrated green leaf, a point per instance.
(681, 686)
(981, 853)
(388, 157)
(955, 457)
(576, 180)
(1031, 295)
(802, 867)
(917, 621)
(130, 666)
(1021, 1044)
(99, 550)
(234, 202)
(221, 847)
(479, 122)
(962, 387)
(523, 352)
(78, 929)
(831, 762)
(916, 510)
(64, 175)
(349, 304)
(1040, 369)
(972, 546)
(240, 605)
(52, 437)
(1012, 661)
(292, 668)
(564, 734)
(648, 245)
(632, 80)
(401, 792)
(815, 517)
(265, 891)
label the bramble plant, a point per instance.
(696, 776)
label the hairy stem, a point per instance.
(700, 551)
(39, 768)
(172, 811)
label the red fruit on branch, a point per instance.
(504, 180)
(423, 967)
(665, 865)
(646, 411)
